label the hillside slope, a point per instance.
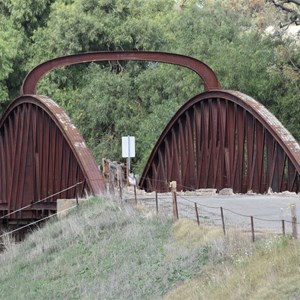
(107, 251)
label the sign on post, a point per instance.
(128, 150)
(128, 146)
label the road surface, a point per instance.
(268, 211)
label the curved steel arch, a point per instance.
(218, 139)
(42, 153)
(224, 139)
(205, 72)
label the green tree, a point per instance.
(292, 10)
(108, 100)
(10, 41)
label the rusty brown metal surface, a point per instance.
(41, 150)
(224, 139)
(42, 153)
(205, 72)
(218, 139)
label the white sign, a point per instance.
(128, 146)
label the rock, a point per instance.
(250, 193)
(226, 191)
(206, 192)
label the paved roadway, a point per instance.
(270, 207)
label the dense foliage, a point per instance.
(112, 99)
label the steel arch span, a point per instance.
(41, 151)
(217, 139)
(42, 154)
(224, 139)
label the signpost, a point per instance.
(128, 151)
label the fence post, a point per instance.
(294, 221)
(111, 179)
(252, 229)
(197, 215)
(77, 204)
(135, 198)
(283, 227)
(223, 221)
(120, 190)
(156, 202)
(173, 190)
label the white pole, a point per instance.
(128, 159)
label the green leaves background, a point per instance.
(108, 100)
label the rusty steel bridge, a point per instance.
(218, 139)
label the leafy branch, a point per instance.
(291, 8)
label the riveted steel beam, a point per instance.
(234, 142)
(205, 72)
(42, 154)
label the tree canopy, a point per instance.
(291, 8)
(108, 100)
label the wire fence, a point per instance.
(37, 221)
(41, 200)
(30, 224)
(181, 206)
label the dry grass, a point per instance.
(105, 250)
(269, 269)
(187, 233)
(100, 251)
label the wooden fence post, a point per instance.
(294, 221)
(173, 186)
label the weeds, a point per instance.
(268, 269)
(105, 251)
(98, 251)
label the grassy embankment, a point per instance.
(103, 251)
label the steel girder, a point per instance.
(224, 139)
(208, 76)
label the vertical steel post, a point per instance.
(252, 229)
(223, 221)
(128, 160)
(76, 195)
(135, 197)
(156, 202)
(283, 227)
(197, 215)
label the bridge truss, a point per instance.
(224, 139)
(217, 139)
